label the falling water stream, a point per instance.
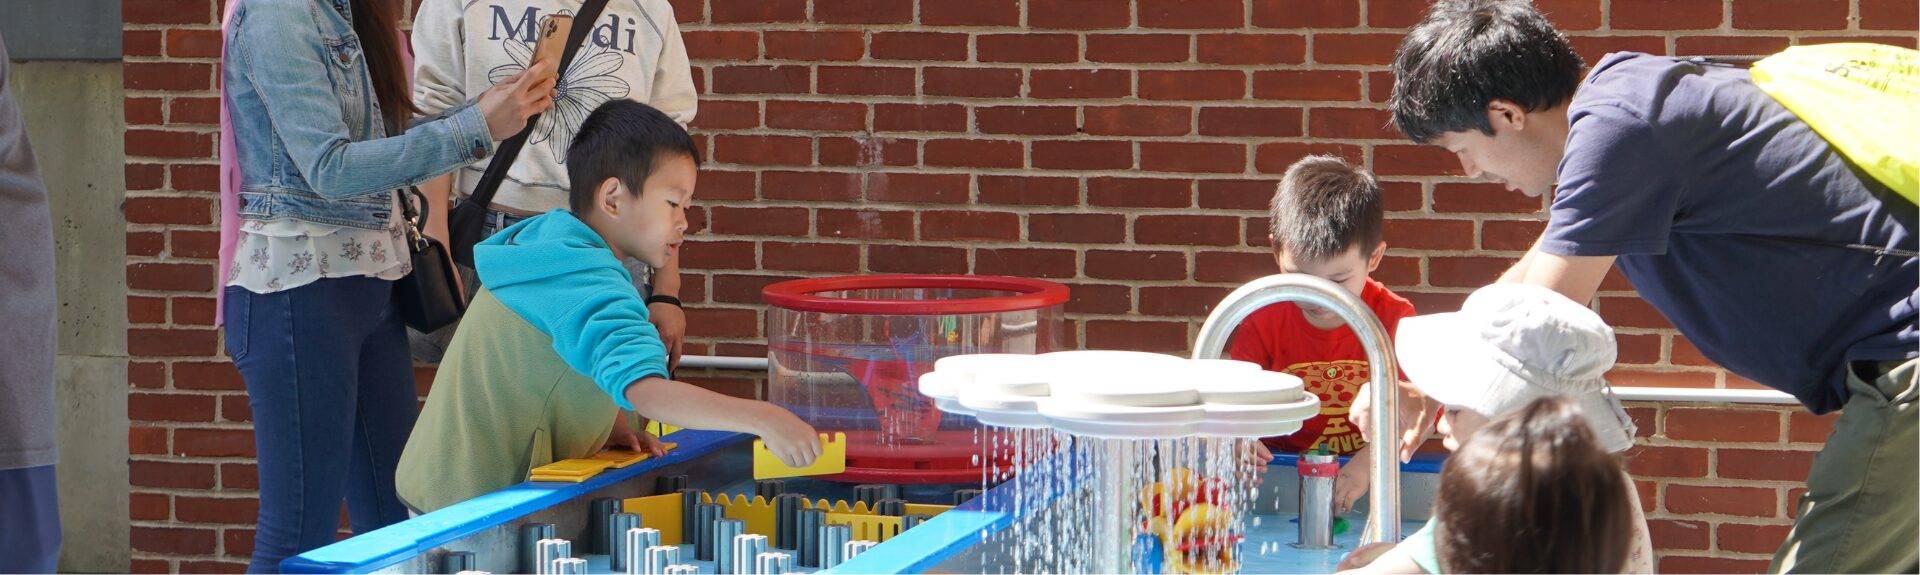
(1093, 505)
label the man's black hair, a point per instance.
(1325, 206)
(1467, 53)
(621, 139)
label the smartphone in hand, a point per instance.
(551, 39)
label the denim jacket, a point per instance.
(307, 126)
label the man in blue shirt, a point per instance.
(1776, 257)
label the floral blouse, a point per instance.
(285, 254)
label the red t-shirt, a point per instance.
(1331, 362)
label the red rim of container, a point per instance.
(1028, 294)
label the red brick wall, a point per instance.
(1126, 148)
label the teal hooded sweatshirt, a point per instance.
(538, 368)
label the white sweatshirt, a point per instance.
(461, 47)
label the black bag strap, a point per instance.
(510, 149)
(415, 218)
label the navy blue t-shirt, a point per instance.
(1676, 166)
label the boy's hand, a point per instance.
(788, 438)
(1416, 417)
(650, 444)
(625, 437)
(671, 322)
(1257, 453)
(1364, 556)
(1353, 481)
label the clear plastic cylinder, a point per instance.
(846, 355)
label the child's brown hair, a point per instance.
(1533, 492)
(1324, 206)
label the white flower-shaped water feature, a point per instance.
(1120, 394)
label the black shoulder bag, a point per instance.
(466, 222)
(430, 297)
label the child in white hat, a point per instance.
(1508, 345)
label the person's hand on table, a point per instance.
(626, 437)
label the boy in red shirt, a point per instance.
(1326, 222)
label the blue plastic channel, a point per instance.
(1423, 462)
(948, 534)
(380, 548)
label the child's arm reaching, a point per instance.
(684, 405)
(1352, 482)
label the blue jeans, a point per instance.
(333, 403)
(30, 522)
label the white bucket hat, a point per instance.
(1510, 344)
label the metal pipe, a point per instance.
(1687, 395)
(723, 362)
(1383, 517)
(1316, 471)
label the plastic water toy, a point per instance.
(1127, 422)
(844, 354)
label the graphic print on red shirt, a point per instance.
(1331, 362)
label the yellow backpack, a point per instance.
(1864, 99)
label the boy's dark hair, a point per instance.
(1467, 53)
(1533, 492)
(1325, 206)
(621, 139)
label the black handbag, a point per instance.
(430, 297)
(467, 222)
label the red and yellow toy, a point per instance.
(1191, 517)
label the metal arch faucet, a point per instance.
(1383, 516)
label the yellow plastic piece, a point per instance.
(833, 459)
(573, 467)
(841, 506)
(926, 509)
(661, 512)
(757, 512)
(660, 429)
(560, 478)
(618, 458)
(867, 527)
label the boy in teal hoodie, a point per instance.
(557, 344)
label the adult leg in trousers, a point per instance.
(386, 414)
(29, 520)
(1859, 515)
(299, 352)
